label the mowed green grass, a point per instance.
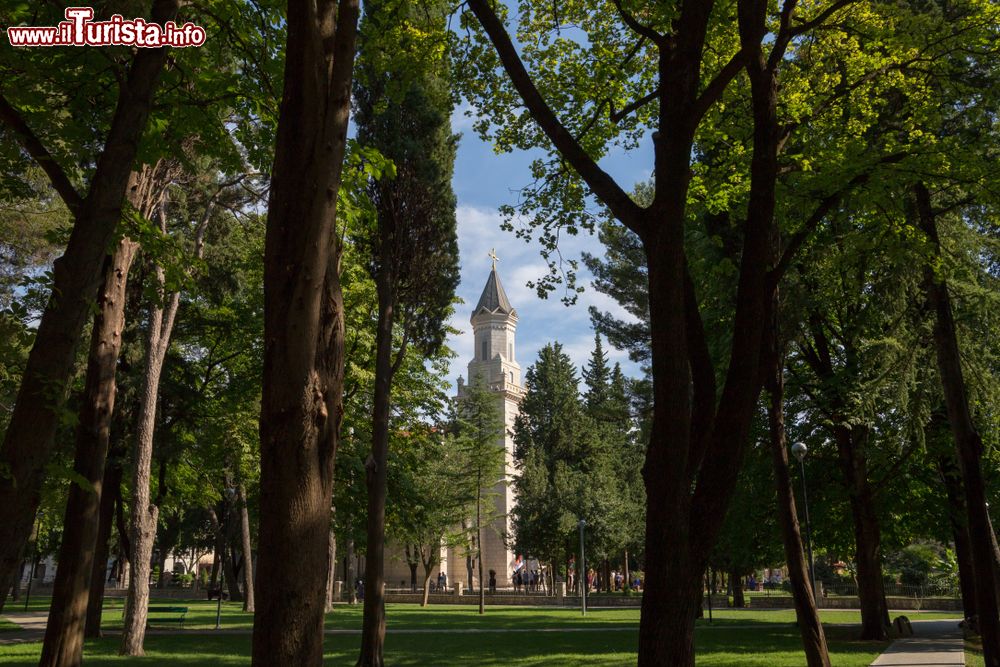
(764, 638)
(974, 653)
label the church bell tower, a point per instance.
(494, 323)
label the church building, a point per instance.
(494, 362)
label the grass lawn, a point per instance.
(974, 653)
(764, 638)
(718, 647)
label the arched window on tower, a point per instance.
(483, 347)
(512, 377)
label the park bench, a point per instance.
(181, 613)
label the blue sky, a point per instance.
(483, 181)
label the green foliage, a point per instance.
(480, 455)
(577, 460)
(403, 110)
(923, 564)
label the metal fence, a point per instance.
(929, 590)
(450, 590)
(850, 589)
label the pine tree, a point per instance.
(597, 377)
(557, 451)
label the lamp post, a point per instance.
(799, 451)
(583, 570)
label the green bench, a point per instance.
(182, 611)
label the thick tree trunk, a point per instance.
(806, 614)
(852, 450)
(736, 580)
(968, 442)
(64, 632)
(951, 477)
(30, 434)
(231, 571)
(247, 548)
(111, 497)
(301, 410)
(373, 626)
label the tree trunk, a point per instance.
(968, 442)
(30, 435)
(111, 497)
(373, 626)
(196, 582)
(247, 548)
(806, 614)
(161, 566)
(470, 564)
(144, 514)
(951, 476)
(852, 449)
(219, 527)
(301, 409)
(15, 589)
(425, 599)
(479, 542)
(231, 571)
(996, 560)
(410, 552)
(853, 459)
(736, 581)
(12, 586)
(352, 575)
(331, 576)
(628, 573)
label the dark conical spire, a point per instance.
(493, 299)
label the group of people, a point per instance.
(529, 580)
(769, 581)
(596, 580)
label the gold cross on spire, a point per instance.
(493, 255)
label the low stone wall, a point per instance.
(848, 602)
(517, 600)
